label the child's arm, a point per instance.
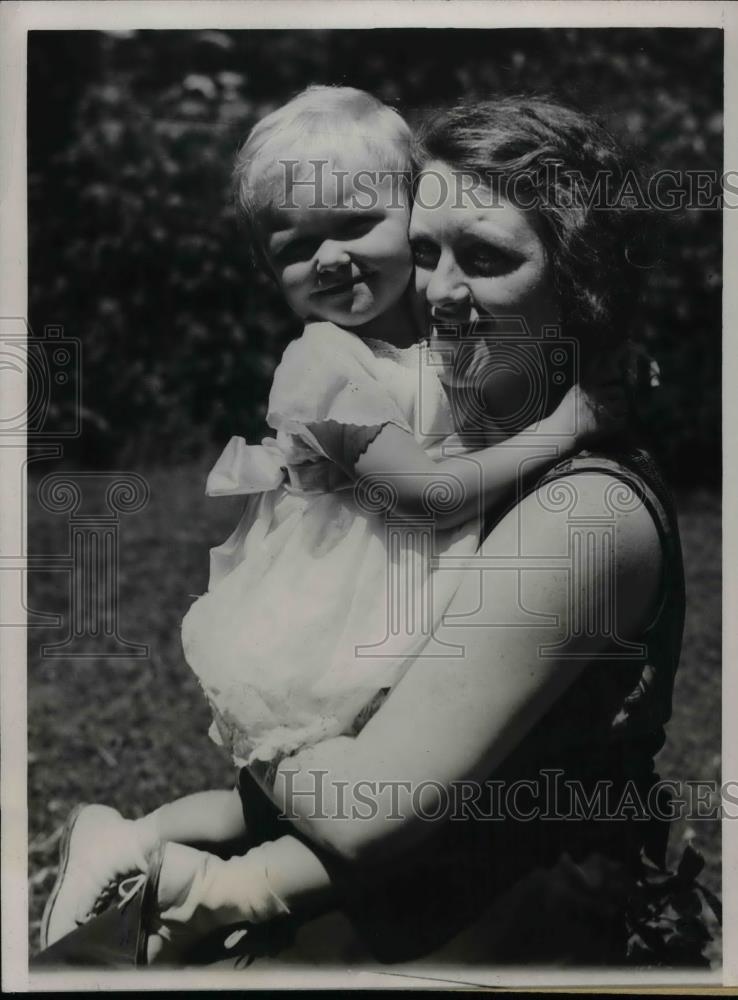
(479, 480)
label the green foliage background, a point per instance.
(134, 246)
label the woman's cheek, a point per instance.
(501, 296)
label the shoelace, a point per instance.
(127, 894)
(128, 889)
(233, 939)
(103, 899)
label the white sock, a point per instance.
(146, 836)
(228, 892)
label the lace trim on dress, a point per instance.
(344, 444)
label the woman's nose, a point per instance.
(331, 256)
(447, 293)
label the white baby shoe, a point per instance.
(98, 849)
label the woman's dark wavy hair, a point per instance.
(556, 155)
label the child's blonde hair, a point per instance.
(326, 123)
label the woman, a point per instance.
(522, 762)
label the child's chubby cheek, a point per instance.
(296, 283)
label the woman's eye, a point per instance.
(487, 262)
(425, 253)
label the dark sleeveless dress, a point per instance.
(567, 886)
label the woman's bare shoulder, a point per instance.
(592, 497)
(589, 511)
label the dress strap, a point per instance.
(637, 470)
(648, 706)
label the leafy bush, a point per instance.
(135, 249)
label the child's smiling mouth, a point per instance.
(340, 287)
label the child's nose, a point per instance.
(331, 256)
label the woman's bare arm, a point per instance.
(456, 719)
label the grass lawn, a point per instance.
(133, 732)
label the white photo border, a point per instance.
(16, 19)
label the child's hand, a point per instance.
(604, 403)
(595, 409)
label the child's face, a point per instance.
(347, 263)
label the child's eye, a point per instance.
(425, 253)
(296, 251)
(358, 228)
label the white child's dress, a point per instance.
(316, 602)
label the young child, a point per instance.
(292, 640)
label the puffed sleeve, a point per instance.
(328, 393)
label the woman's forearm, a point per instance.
(358, 808)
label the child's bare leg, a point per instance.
(213, 817)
